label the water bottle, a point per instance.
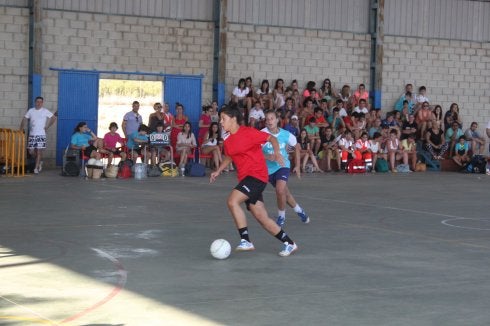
(182, 171)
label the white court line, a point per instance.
(29, 310)
(446, 222)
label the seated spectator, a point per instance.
(239, 96)
(264, 95)
(421, 96)
(336, 122)
(376, 127)
(409, 127)
(406, 97)
(461, 156)
(475, 139)
(487, 130)
(287, 109)
(186, 142)
(330, 148)
(327, 92)
(340, 105)
(84, 139)
(310, 91)
(160, 150)
(279, 94)
(307, 112)
(325, 106)
(452, 115)
(360, 93)
(423, 117)
(256, 116)
(376, 148)
(452, 136)
(319, 115)
(314, 135)
(395, 150)
(360, 125)
(111, 139)
(409, 148)
(213, 111)
(390, 121)
(292, 125)
(362, 107)
(347, 149)
(346, 99)
(435, 143)
(363, 150)
(306, 153)
(437, 115)
(210, 144)
(138, 142)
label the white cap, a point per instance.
(294, 117)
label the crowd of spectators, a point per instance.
(340, 123)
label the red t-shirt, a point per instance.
(110, 141)
(245, 149)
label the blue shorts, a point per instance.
(281, 174)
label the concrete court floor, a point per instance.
(381, 249)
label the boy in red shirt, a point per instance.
(243, 146)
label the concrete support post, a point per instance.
(376, 29)
(35, 50)
(219, 62)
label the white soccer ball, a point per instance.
(220, 249)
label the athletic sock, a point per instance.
(281, 213)
(244, 233)
(282, 236)
(297, 209)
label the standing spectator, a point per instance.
(40, 119)
(204, 122)
(132, 120)
(475, 139)
(177, 122)
(155, 117)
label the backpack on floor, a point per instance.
(125, 169)
(194, 169)
(381, 165)
(478, 164)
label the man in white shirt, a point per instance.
(40, 119)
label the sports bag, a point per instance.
(478, 164)
(194, 169)
(356, 166)
(381, 165)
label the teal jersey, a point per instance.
(285, 139)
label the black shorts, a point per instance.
(253, 188)
(89, 150)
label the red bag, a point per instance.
(124, 171)
(356, 166)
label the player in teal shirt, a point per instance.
(278, 175)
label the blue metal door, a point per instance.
(78, 98)
(185, 90)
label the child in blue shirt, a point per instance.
(138, 141)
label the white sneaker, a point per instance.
(245, 246)
(288, 249)
(36, 171)
(40, 168)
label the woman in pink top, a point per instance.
(111, 139)
(177, 122)
(360, 93)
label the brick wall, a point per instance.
(452, 71)
(14, 63)
(291, 53)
